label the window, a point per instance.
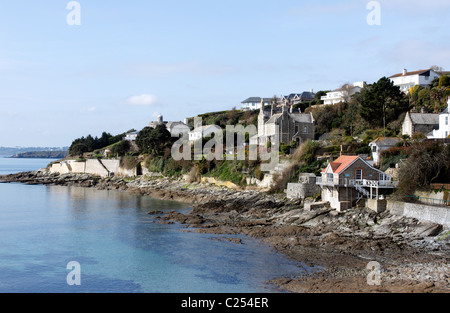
(358, 174)
(446, 120)
(296, 129)
(305, 129)
(374, 149)
(330, 178)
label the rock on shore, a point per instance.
(413, 255)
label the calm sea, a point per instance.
(117, 245)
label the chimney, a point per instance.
(312, 90)
(186, 121)
(160, 119)
(404, 71)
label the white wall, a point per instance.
(444, 124)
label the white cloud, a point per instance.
(142, 100)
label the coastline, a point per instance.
(343, 244)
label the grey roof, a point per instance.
(298, 117)
(302, 117)
(424, 118)
(307, 95)
(256, 99)
(301, 95)
(274, 118)
(386, 141)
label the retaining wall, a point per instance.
(92, 166)
(301, 190)
(439, 215)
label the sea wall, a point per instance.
(102, 168)
(439, 215)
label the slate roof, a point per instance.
(424, 118)
(298, 117)
(307, 95)
(386, 141)
(302, 95)
(256, 99)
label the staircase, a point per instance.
(103, 165)
(361, 192)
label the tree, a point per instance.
(143, 140)
(121, 148)
(427, 163)
(78, 149)
(382, 102)
(437, 68)
(444, 81)
(154, 140)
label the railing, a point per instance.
(431, 201)
(345, 182)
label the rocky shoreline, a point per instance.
(413, 255)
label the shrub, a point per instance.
(128, 162)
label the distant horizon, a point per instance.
(71, 71)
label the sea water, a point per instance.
(117, 245)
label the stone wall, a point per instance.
(368, 172)
(266, 182)
(439, 215)
(301, 190)
(101, 168)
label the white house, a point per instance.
(131, 136)
(254, 103)
(203, 131)
(170, 126)
(444, 123)
(342, 94)
(381, 144)
(406, 80)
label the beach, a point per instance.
(412, 255)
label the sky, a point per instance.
(73, 68)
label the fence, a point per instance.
(431, 201)
(440, 186)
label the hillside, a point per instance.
(42, 155)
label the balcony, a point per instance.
(345, 182)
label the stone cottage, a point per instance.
(420, 122)
(278, 122)
(349, 179)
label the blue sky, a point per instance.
(131, 60)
